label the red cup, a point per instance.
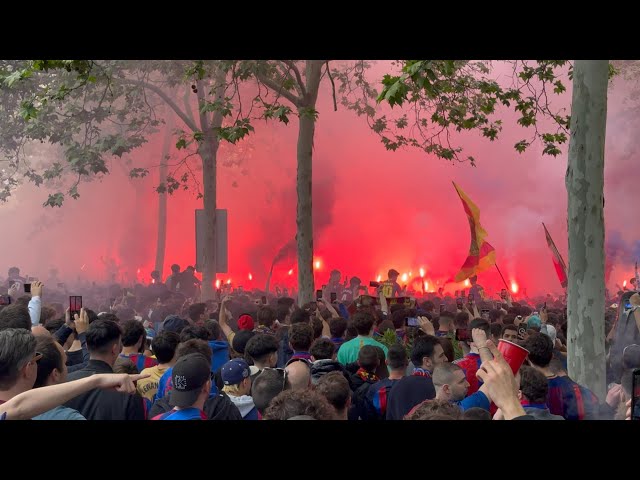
(513, 354)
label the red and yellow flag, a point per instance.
(558, 262)
(481, 255)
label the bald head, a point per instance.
(299, 375)
(444, 374)
(40, 331)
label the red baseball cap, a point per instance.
(245, 322)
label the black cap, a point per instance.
(188, 376)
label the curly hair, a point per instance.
(435, 410)
(293, 403)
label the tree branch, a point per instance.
(187, 105)
(158, 91)
(292, 66)
(297, 102)
(333, 87)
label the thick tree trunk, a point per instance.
(585, 184)
(209, 153)
(162, 199)
(304, 236)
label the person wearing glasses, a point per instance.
(236, 376)
(18, 362)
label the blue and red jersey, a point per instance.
(303, 355)
(184, 414)
(470, 364)
(421, 372)
(376, 400)
(140, 361)
(570, 400)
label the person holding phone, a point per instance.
(334, 285)
(471, 362)
(352, 292)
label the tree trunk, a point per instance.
(304, 236)
(585, 184)
(209, 152)
(162, 199)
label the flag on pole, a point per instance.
(481, 254)
(558, 262)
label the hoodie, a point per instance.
(246, 406)
(322, 367)
(220, 354)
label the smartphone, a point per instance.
(484, 314)
(264, 300)
(75, 305)
(318, 295)
(462, 334)
(635, 404)
(441, 307)
(411, 322)
(459, 303)
(503, 294)
(374, 284)
(334, 296)
(27, 288)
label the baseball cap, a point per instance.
(188, 376)
(173, 323)
(245, 322)
(235, 371)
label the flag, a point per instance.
(481, 254)
(558, 262)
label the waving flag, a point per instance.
(558, 262)
(481, 254)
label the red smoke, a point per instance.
(373, 210)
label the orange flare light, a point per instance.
(514, 287)
(218, 283)
(379, 278)
(229, 282)
(624, 284)
(422, 272)
(404, 277)
(291, 272)
(250, 277)
(467, 283)
(317, 264)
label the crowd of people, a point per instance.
(154, 352)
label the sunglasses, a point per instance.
(284, 377)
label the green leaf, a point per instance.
(54, 200)
(521, 146)
(138, 173)
(182, 143)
